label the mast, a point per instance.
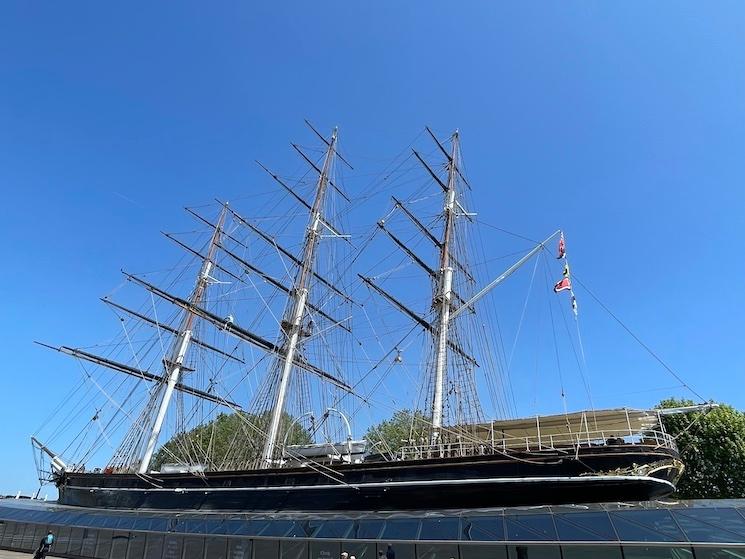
(445, 292)
(292, 319)
(174, 363)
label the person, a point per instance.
(344, 555)
(381, 555)
(390, 554)
(44, 546)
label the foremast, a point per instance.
(295, 311)
(174, 363)
(443, 298)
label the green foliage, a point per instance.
(391, 434)
(229, 440)
(712, 447)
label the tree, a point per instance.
(390, 435)
(228, 441)
(712, 447)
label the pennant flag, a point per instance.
(562, 248)
(566, 270)
(574, 305)
(563, 285)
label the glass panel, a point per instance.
(172, 546)
(265, 549)
(24, 533)
(591, 552)
(136, 545)
(656, 552)
(277, 528)
(153, 546)
(439, 529)
(215, 547)
(484, 528)
(359, 549)
(369, 529)
(192, 525)
(585, 526)
(215, 527)
(193, 547)
(8, 533)
(399, 550)
(240, 548)
(76, 540)
(711, 525)
(2, 530)
(136, 548)
(527, 527)
(27, 542)
(109, 521)
(298, 530)
(436, 551)
(88, 549)
(325, 550)
(720, 552)
(40, 531)
(251, 527)
(646, 526)
(534, 552)
(293, 549)
(103, 545)
(480, 551)
(63, 540)
(132, 523)
(400, 529)
(162, 524)
(119, 543)
(334, 529)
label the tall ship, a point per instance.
(238, 376)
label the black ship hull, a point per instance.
(550, 477)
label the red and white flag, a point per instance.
(562, 248)
(563, 285)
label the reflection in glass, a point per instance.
(720, 552)
(436, 551)
(711, 525)
(530, 527)
(646, 526)
(400, 529)
(591, 552)
(293, 549)
(585, 526)
(533, 552)
(480, 551)
(657, 552)
(483, 528)
(439, 529)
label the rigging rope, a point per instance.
(640, 342)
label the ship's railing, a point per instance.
(563, 441)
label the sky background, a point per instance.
(622, 123)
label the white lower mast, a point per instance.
(292, 322)
(174, 364)
(444, 295)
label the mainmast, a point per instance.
(295, 311)
(444, 295)
(174, 363)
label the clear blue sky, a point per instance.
(623, 123)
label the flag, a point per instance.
(574, 305)
(565, 272)
(563, 285)
(562, 248)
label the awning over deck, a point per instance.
(620, 422)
